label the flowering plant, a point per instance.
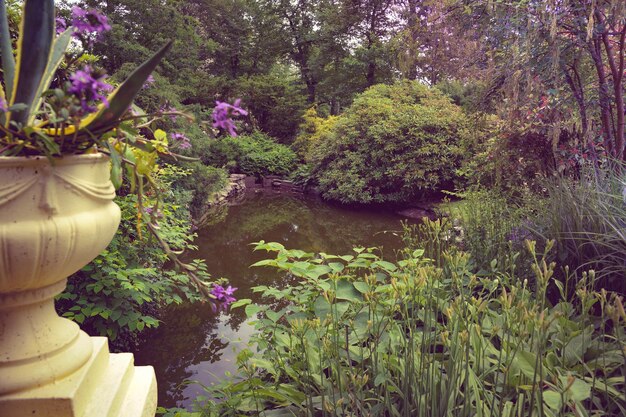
(76, 117)
(82, 113)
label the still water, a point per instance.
(195, 343)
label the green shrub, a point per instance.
(256, 154)
(312, 129)
(394, 142)
(302, 176)
(361, 336)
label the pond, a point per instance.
(198, 344)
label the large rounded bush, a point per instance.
(394, 142)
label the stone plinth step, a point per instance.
(108, 385)
(141, 396)
(111, 391)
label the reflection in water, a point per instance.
(198, 344)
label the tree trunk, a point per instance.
(578, 93)
(617, 71)
(595, 50)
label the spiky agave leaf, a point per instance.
(8, 61)
(122, 97)
(56, 56)
(33, 53)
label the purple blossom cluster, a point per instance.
(89, 22)
(150, 211)
(85, 23)
(222, 114)
(61, 25)
(89, 89)
(223, 295)
(522, 232)
(149, 81)
(3, 105)
(170, 109)
(182, 141)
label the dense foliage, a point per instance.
(394, 142)
(120, 292)
(519, 109)
(255, 154)
(362, 336)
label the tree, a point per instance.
(440, 41)
(578, 44)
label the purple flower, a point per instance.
(149, 81)
(61, 25)
(222, 114)
(170, 109)
(3, 105)
(222, 294)
(183, 141)
(88, 22)
(521, 232)
(88, 88)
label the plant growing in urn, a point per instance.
(56, 215)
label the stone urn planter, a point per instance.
(54, 219)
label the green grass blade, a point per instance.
(56, 56)
(33, 53)
(8, 61)
(123, 96)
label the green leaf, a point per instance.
(274, 316)
(579, 390)
(552, 399)
(524, 362)
(336, 267)
(380, 379)
(51, 146)
(56, 56)
(346, 291)
(317, 271)
(123, 96)
(296, 253)
(160, 134)
(321, 307)
(33, 52)
(6, 49)
(116, 166)
(240, 303)
(387, 266)
(361, 286)
(265, 262)
(115, 315)
(252, 310)
(262, 363)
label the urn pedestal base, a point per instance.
(108, 385)
(55, 217)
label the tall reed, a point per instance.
(587, 217)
